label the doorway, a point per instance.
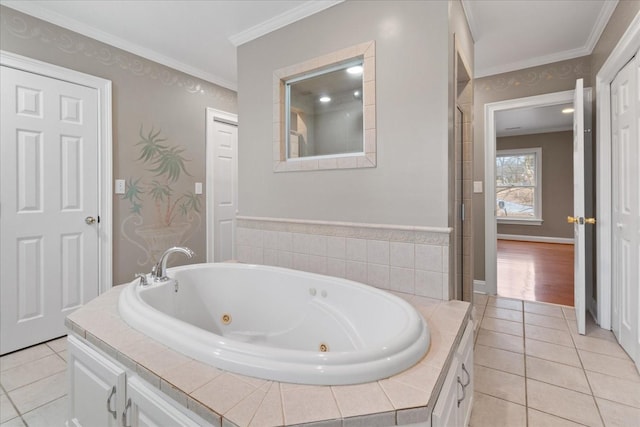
(222, 184)
(534, 196)
(56, 169)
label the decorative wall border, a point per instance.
(26, 27)
(407, 259)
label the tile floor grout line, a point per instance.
(14, 407)
(584, 370)
(35, 381)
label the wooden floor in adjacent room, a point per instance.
(535, 271)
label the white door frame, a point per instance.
(211, 115)
(105, 163)
(490, 285)
(621, 54)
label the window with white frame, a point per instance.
(519, 186)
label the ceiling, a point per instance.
(515, 34)
(200, 37)
(533, 120)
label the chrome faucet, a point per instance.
(159, 271)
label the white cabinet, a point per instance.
(96, 387)
(148, 408)
(464, 355)
(455, 401)
(103, 393)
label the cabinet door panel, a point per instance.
(150, 409)
(445, 413)
(464, 354)
(96, 387)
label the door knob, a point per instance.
(573, 220)
(90, 220)
(590, 220)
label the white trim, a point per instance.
(33, 9)
(596, 31)
(537, 219)
(288, 17)
(491, 231)
(537, 239)
(519, 221)
(625, 49)
(210, 116)
(480, 287)
(443, 230)
(105, 182)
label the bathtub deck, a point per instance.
(238, 400)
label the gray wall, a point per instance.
(409, 185)
(145, 94)
(557, 183)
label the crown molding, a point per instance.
(304, 10)
(36, 11)
(606, 11)
(532, 62)
(601, 22)
(471, 20)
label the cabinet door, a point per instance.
(148, 408)
(464, 354)
(96, 387)
(445, 413)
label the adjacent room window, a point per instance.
(519, 186)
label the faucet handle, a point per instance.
(143, 279)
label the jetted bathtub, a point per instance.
(279, 324)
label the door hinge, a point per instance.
(98, 219)
(462, 212)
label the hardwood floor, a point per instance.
(535, 271)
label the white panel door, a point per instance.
(578, 207)
(48, 205)
(225, 189)
(625, 120)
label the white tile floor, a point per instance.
(33, 383)
(532, 369)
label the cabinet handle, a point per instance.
(124, 414)
(464, 392)
(114, 413)
(464, 369)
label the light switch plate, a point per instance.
(477, 186)
(198, 188)
(120, 186)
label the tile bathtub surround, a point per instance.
(412, 260)
(532, 368)
(236, 400)
(494, 351)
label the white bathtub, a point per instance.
(272, 323)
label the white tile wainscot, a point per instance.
(412, 260)
(223, 399)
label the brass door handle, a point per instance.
(573, 220)
(580, 220)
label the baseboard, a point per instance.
(537, 239)
(480, 286)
